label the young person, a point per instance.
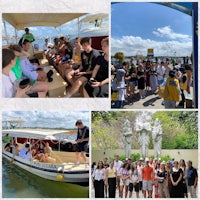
(99, 81)
(84, 72)
(82, 140)
(8, 89)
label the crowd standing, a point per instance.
(149, 178)
(168, 78)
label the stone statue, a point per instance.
(127, 137)
(143, 128)
(157, 138)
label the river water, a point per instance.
(18, 183)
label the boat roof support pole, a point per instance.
(16, 42)
(5, 30)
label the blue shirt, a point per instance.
(191, 175)
(28, 69)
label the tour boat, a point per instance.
(61, 166)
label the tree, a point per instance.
(120, 57)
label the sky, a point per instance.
(135, 27)
(64, 119)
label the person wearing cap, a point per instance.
(82, 140)
(192, 179)
(172, 91)
(148, 179)
(28, 36)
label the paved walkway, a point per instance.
(151, 101)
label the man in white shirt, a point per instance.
(160, 73)
(117, 164)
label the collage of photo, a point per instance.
(115, 108)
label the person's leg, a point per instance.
(126, 191)
(77, 157)
(75, 87)
(193, 192)
(69, 74)
(41, 87)
(121, 188)
(83, 156)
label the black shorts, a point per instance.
(137, 187)
(140, 185)
(81, 147)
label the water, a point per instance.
(18, 183)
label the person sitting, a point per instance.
(47, 149)
(16, 150)
(25, 152)
(99, 81)
(31, 71)
(9, 90)
(84, 72)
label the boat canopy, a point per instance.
(21, 20)
(44, 134)
(92, 18)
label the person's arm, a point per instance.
(196, 179)
(27, 69)
(179, 179)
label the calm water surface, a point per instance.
(18, 183)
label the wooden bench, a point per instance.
(57, 88)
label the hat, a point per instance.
(141, 158)
(146, 159)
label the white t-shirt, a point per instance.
(139, 168)
(99, 174)
(117, 166)
(161, 71)
(8, 89)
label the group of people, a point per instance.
(84, 68)
(33, 150)
(171, 80)
(171, 179)
(22, 77)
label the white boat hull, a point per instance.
(50, 171)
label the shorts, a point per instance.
(133, 83)
(81, 147)
(136, 186)
(124, 184)
(147, 185)
(140, 185)
(160, 81)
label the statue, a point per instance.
(143, 127)
(127, 137)
(157, 138)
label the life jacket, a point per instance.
(171, 90)
(183, 86)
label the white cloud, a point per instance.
(167, 32)
(130, 45)
(48, 119)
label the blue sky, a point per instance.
(138, 26)
(64, 119)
